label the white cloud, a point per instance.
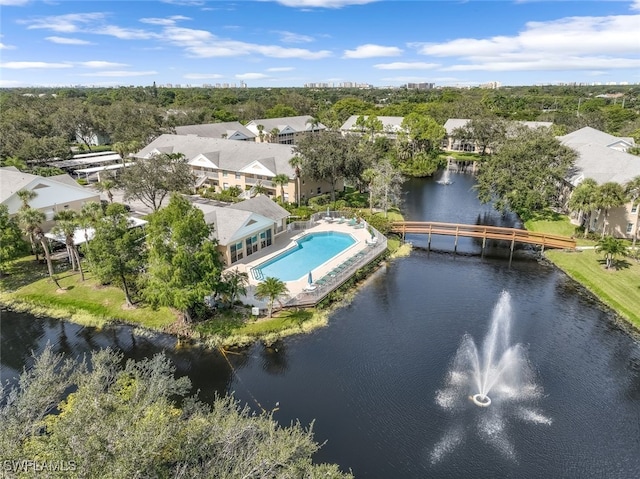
(251, 76)
(36, 65)
(203, 76)
(370, 51)
(125, 33)
(6, 47)
(203, 44)
(290, 37)
(635, 5)
(322, 3)
(164, 21)
(13, 3)
(102, 64)
(68, 41)
(185, 3)
(406, 66)
(280, 69)
(63, 23)
(121, 73)
(571, 43)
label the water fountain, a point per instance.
(445, 180)
(497, 378)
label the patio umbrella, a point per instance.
(310, 279)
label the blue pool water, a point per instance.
(312, 250)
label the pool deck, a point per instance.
(287, 239)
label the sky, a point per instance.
(290, 43)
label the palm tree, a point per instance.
(105, 186)
(259, 189)
(296, 163)
(369, 175)
(632, 189)
(90, 213)
(610, 195)
(260, 132)
(236, 283)
(125, 148)
(26, 196)
(281, 180)
(271, 289)
(15, 162)
(30, 221)
(313, 122)
(611, 247)
(584, 201)
(66, 223)
(273, 135)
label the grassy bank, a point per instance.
(618, 288)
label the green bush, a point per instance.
(317, 202)
(379, 222)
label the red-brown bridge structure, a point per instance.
(513, 235)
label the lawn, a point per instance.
(618, 288)
(557, 224)
(28, 287)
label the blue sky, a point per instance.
(272, 43)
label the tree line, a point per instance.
(43, 124)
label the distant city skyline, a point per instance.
(290, 43)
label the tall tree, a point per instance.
(235, 283)
(66, 224)
(12, 246)
(632, 189)
(273, 135)
(281, 180)
(526, 173)
(134, 419)
(272, 289)
(485, 132)
(386, 185)
(184, 263)
(105, 185)
(424, 133)
(151, 180)
(296, 163)
(30, 221)
(583, 201)
(117, 252)
(330, 157)
(610, 195)
(25, 197)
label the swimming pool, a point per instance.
(312, 250)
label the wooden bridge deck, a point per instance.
(514, 235)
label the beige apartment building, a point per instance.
(221, 164)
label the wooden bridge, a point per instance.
(513, 235)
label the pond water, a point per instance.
(371, 379)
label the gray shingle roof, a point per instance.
(389, 123)
(232, 130)
(264, 206)
(597, 159)
(295, 123)
(453, 123)
(231, 155)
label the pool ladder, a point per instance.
(257, 274)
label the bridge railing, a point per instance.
(483, 231)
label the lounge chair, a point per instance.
(358, 226)
(341, 220)
(352, 222)
(371, 242)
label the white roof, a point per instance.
(600, 158)
(234, 156)
(80, 235)
(51, 191)
(453, 123)
(81, 160)
(390, 124)
(93, 169)
(285, 125)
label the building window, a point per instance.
(629, 228)
(234, 254)
(224, 174)
(634, 209)
(238, 176)
(319, 190)
(225, 186)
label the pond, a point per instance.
(371, 380)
